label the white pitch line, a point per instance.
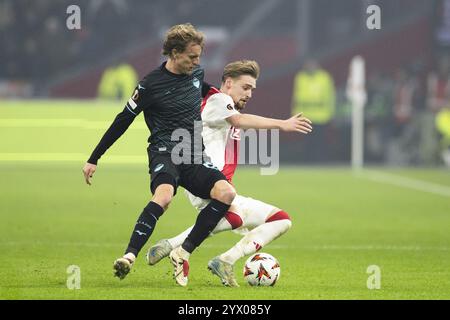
(64, 123)
(70, 157)
(377, 247)
(405, 182)
(318, 247)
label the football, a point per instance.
(262, 269)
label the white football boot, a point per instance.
(179, 259)
(159, 251)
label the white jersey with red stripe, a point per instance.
(221, 140)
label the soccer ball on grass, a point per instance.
(262, 269)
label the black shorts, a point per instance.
(198, 179)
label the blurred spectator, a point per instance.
(405, 112)
(437, 97)
(118, 82)
(377, 114)
(443, 126)
(438, 102)
(37, 46)
(439, 86)
(314, 93)
(405, 89)
(314, 96)
(379, 96)
(404, 146)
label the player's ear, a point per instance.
(174, 54)
(228, 82)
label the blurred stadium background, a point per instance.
(60, 89)
(407, 62)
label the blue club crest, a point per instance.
(196, 82)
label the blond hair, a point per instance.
(179, 36)
(242, 67)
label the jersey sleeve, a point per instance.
(218, 108)
(135, 105)
(120, 124)
(205, 88)
(140, 99)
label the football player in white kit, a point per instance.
(260, 222)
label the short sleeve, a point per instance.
(218, 108)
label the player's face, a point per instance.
(186, 61)
(241, 90)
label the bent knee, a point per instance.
(223, 192)
(280, 216)
(163, 195)
(228, 196)
(282, 225)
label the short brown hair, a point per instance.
(179, 36)
(242, 67)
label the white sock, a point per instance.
(256, 239)
(178, 240)
(130, 256)
(223, 225)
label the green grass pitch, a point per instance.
(342, 222)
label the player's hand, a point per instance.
(88, 172)
(297, 123)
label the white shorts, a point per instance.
(252, 212)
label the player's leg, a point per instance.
(256, 239)
(163, 187)
(207, 183)
(222, 195)
(270, 223)
(143, 229)
(163, 247)
(199, 204)
(222, 265)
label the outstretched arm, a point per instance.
(136, 104)
(121, 123)
(297, 123)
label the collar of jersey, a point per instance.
(164, 69)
